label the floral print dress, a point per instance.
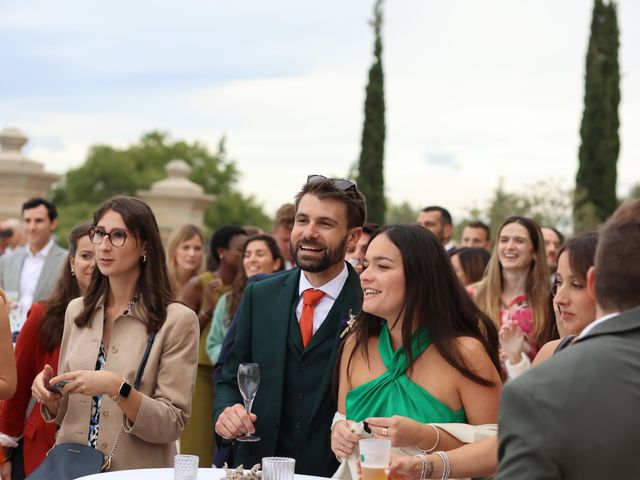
(96, 401)
(519, 312)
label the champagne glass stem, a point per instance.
(248, 404)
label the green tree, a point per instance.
(595, 194)
(546, 202)
(401, 213)
(110, 171)
(371, 164)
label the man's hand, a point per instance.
(235, 422)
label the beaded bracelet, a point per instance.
(446, 465)
(435, 445)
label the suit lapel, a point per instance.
(348, 302)
(49, 269)
(21, 255)
(627, 320)
(284, 298)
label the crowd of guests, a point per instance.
(359, 330)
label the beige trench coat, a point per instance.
(166, 387)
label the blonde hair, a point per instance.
(488, 293)
(178, 236)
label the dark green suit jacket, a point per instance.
(577, 416)
(267, 335)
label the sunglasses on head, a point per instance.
(340, 183)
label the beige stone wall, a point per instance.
(20, 177)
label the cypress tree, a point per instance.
(371, 167)
(595, 196)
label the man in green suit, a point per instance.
(294, 344)
(576, 416)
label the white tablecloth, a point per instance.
(167, 474)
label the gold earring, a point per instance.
(143, 258)
(73, 273)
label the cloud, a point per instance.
(442, 160)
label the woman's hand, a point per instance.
(210, 293)
(343, 440)
(402, 431)
(5, 470)
(404, 467)
(89, 382)
(39, 390)
(512, 341)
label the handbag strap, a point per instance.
(136, 384)
(143, 362)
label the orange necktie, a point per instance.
(310, 299)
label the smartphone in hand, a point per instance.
(57, 387)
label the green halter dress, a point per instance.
(392, 393)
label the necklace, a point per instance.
(127, 310)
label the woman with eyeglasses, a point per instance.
(128, 306)
(38, 345)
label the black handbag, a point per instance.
(68, 461)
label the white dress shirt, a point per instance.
(331, 291)
(31, 270)
(597, 322)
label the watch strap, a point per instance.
(123, 392)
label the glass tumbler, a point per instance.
(185, 467)
(278, 468)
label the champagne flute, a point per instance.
(248, 382)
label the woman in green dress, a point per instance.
(420, 353)
(201, 294)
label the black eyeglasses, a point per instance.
(340, 183)
(117, 236)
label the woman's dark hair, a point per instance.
(473, 261)
(66, 289)
(433, 299)
(153, 288)
(582, 253)
(221, 239)
(237, 287)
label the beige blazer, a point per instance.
(167, 385)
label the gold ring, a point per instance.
(385, 432)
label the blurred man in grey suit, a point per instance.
(30, 272)
(576, 416)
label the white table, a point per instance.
(167, 474)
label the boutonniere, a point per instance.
(351, 320)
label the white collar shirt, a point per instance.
(331, 291)
(31, 270)
(597, 322)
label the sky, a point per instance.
(475, 91)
